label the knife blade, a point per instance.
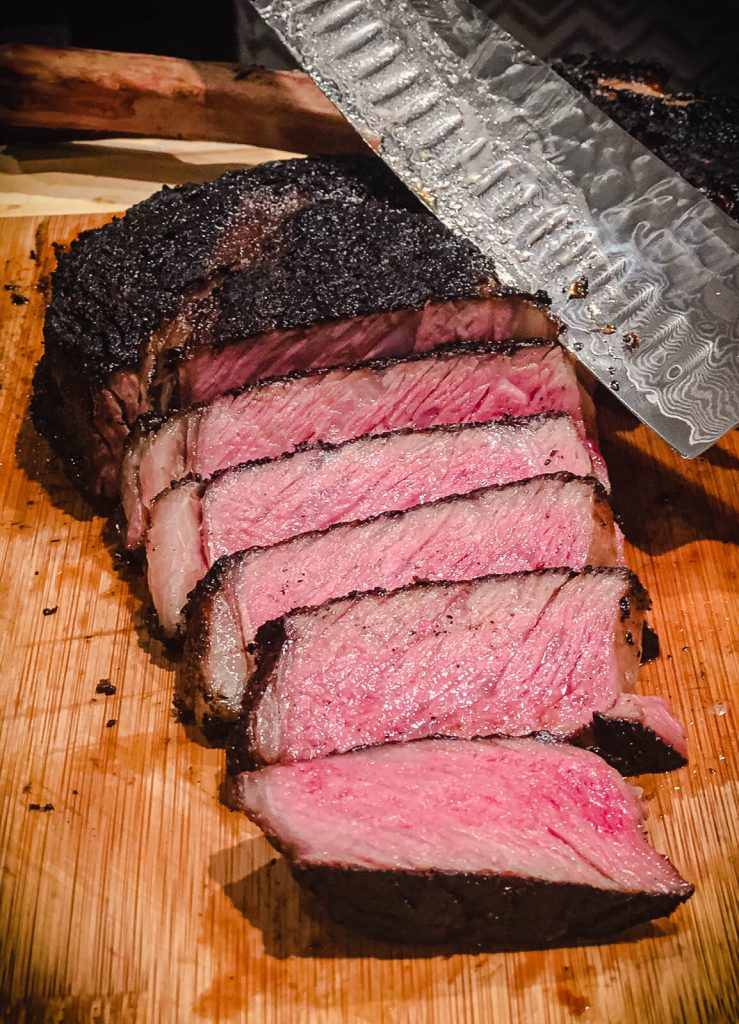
(640, 266)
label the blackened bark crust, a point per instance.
(477, 910)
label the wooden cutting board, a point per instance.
(129, 893)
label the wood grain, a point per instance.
(143, 94)
(140, 898)
(84, 176)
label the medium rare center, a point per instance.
(545, 522)
(472, 384)
(261, 504)
(501, 655)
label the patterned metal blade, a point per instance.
(508, 154)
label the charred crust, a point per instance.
(632, 748)
(233, 733)
(268, 643)
(286, 245)
(600, 494)
(637, 600)
(51, 420)
(115, 285)
(650, 644)
(190, 677)
(585, 70)
(209, 585)
(196, 640)
(333, 261)
(476, 911)
(567, 575)
(269, 637)
(148, 422)
(471, 910)
(172, 644)
(240, 756)
(697, 135)
(45, 409)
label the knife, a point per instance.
(640, 266)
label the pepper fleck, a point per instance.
(578, 288)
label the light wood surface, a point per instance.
(143, 94)
(43, 178)
(140, 898)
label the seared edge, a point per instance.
(148, 425)
(696, 134)
(631, 747)
(283, 245)
(636, 599)
(471, 910)
(477, 910)
(117, 284)
(333, 260)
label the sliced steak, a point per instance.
(546, 522)
(516, 655)
(483, 843)
(287, 266)
(263, 503)
(273, 417)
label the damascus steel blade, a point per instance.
(508, 154)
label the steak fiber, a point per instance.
(266, 420)
(515, 655)
(194, 524)
(546, 522)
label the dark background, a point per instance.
(696, 42)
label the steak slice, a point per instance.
(546, 522)
(488, 843)
(515, 655)
(259, 504)
(472, 384)
(287, 266)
